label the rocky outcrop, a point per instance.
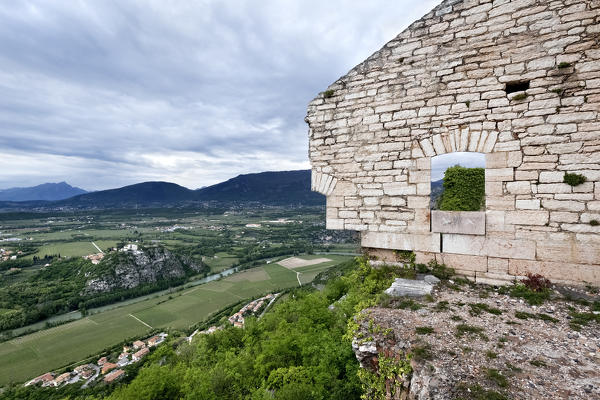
(474, 342)
(127, 270)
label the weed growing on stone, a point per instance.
(520, 96)
(422, 352)
(594, 222)
(537, 363)
(478, 308)
(456, 318)
(441, 306)
(328, 93)
(513, 368)
(424, 330)
(558, 91)
(531, 296)
(476, 392)
(563, 65)
(471, 330)
(490, 354)
(581, 319)
(574, 179)
(409, 304)
(496, 376)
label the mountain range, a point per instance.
(268, 188)
(45, 191)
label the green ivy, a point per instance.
(464, 189)
(388, 380)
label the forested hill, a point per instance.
(283, 187)
(268, 188)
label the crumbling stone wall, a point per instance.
(440, 87)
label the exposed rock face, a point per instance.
(477, 343)
(131, 269)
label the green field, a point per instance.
(34, 354)
(220, 261)
(70, 249)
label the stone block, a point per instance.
(518, 187)
(464, 262)
(556, 271)
(399, 189)
(527, 217)
(489, 246)
(401, 241)
(497, 265)
(499, 174)
(533, 204)
(334, 223)
(465, 222)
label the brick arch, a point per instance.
(457, 140)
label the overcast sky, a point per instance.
(103, 93)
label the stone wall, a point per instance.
(441, 87)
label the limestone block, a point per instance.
(401, 241)
(551, 176)
(427, 147)
(497, 265)
(438, 144)
(335, 201)
(527, 217)
(556, 271)
(553, 188)
(568, 251)
(493, 279)
(496, 160)
(398, 189)
(518, 187)
(569, 217)
(466, 222)
(499, 174)
(563, 205)
(409, 287)
(344, 188)
(334, 223)
(490, 246)
(533, 204)
(465, 262)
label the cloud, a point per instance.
(108, 93)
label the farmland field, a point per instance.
(31, 355)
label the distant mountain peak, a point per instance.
(45, 191)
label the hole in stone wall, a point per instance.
(520, 86)
(458, 182)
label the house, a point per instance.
(140, 354)
(62, 378)
(43, 379)
(107, 367)
(114, 375)
(506, 79)
(138, 344)
(87, 374)
(155, 340)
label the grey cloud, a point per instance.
(109, 93)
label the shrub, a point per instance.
(328, 93)
(464, 189)
(574, 179)
(564, 65)
(536, 282)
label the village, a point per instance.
(239, 318)
(112, 370)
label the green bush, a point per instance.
(574, 179)
(464, 189)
